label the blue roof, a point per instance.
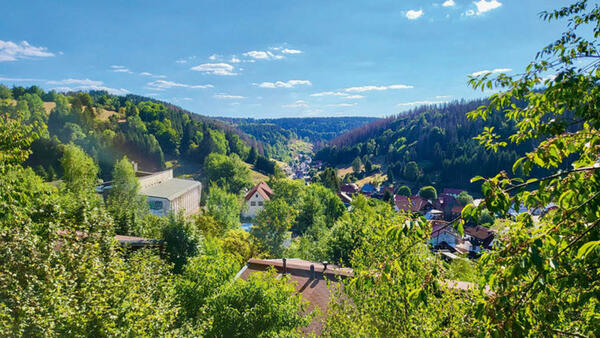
(368, 188)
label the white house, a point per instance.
(256, 198)
(166, 194)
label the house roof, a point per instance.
(414, 203)
(171, 189)
(451, 191)
(314, 289)
(349, 187)
(479, 232)
(368, 188)
(263, 189)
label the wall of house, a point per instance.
(444, 237)
(155, 179)
(158, 206)
(255, 204)
(188, 202)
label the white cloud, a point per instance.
(228, 96)
(214, 57)
(215, 69)
(449, 3)
(379, 88)
(341, 105)
(297, 104)
(259, 55)
(291, 51)
(493, 71)
(483, 6)
(181, 61)
(353, 97)
(235, 59)
(420, 103)
(413, 14)
(329, 94)
(84, 82)
(9, 79)
(153, 75)
(282, 84)
(120, 69)
(443, 97)
(162, 84)
(265, 55)
(145, 74)
(11, 51)
(115, 91)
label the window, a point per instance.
(260, 204)
(156, 205)
(252, 204)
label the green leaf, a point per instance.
(587, 248)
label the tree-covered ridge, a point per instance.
(438, 139)
(276, 134)
(148, 131)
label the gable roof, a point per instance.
(263, 189)
(479, 232)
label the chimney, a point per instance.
(284, 266)
(312, 271)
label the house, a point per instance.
(349, 188)
(314, 281)
(414, 203)
(452, 192)
(481, 238)
(166, 194)
(368, 189)
(434, 214)
(347, 200)
(256, 198)
(445, 237)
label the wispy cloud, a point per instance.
(420, 103)
(228, 96)
(483, 6)
(297, 104)
(81, 82)
(378, 88)
(493, 71)
(115, 91)
(152, 75)
(120, 69)
(443, 96)
(340, 94)
(449, 3)
(282, 84)
(263, 55)
(11, 51)
(341, 105)
(215, 69)
(291, 51)
(414, 14)
(185, 60)
(162, 84)
(12, 79)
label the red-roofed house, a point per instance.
(413, 203)
(256, 198)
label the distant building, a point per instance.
(452, 192)
(347, 200)
(414, 203)
(166, 194)
(368, 189)
(349, 188)
(481, 238)
(256, 198)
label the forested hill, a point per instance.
(276, 134)
(107, 127)
(438, 139)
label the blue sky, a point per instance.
(272, 58)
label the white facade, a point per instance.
(166, 194)
(254, 205)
